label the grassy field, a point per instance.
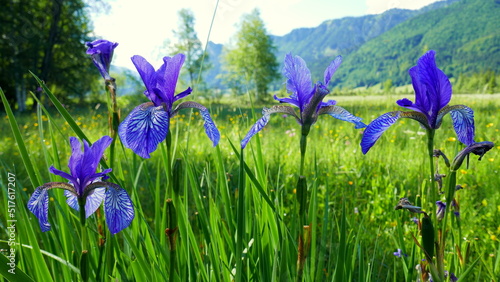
(237, 224)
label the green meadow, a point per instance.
(234, 216)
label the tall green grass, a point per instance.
(235, 210)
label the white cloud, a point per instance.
(380, 6)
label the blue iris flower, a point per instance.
(432, 95)
(148, 124)
(305, 96)
(101, 51)
(86, 188)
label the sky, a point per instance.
(143, 27)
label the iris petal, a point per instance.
(92, 156)
(288, 101)
(299, 79)
(463, 122)
(144, 128)
(173, 67)
(92, 202)
(147, 73)
(210, 128)
(342, 114)
(330, 70)
(63, 174)
(375, 129)
(119, 209)
(38, 204)
(266, 113)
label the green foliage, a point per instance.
(352, 198)
(464, 34)
(45, 37)
(252, 60)
(188, 43)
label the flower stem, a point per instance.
(84, 259)
(301, 193)
(113, 117)
(431, 191)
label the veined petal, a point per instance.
(144, 128)
(266, 113)
(330, 70)
(173, 67)
(342, 114)
(463, 122)
(38, 204)
(375, 129)
(71, 200)
(210, 128)
(94, 200)
(299, 78)
(118, 208)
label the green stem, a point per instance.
(431, 191)
(301, 193)
(113, 117)
(84, 259)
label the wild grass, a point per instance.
(236, 215)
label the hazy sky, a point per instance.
(141, 27)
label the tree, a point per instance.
(189, 44)
(45, 37)
(252, 59)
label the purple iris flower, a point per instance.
(432, 95)
(441, 208)
(86, 188)
(148, 124)
(399, 253)
(305, 96)
(101, 51)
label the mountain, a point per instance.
(375, 48)
(465, 35)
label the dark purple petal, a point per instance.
(183, 94)
(288, 101)
(144, 128)
(173, 67)
(266, 113)
(330, 70)
(38, 204)
(375, 129)
(148, 76)
(119, 209)
(422, 103)
(92, 156)
(63, 174)
(342, 114)
(436, 81)
(299, 79)
(100, 175)
(101, 52)
(75, 160)
(210, 128)
(328, 103)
